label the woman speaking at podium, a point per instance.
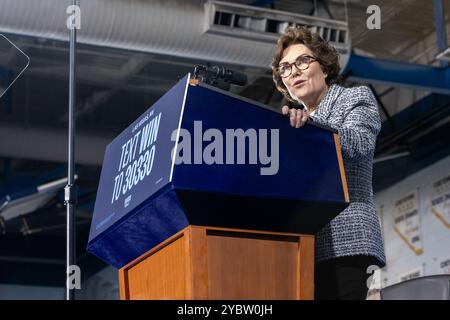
(306, 70)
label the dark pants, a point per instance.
(343, 278)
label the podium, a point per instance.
(208, 195)
(221, 263)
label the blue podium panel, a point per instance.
(137, 164)
(305, 158)
(202, 156)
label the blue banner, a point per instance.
(138, 162)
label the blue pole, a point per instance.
(441, 31)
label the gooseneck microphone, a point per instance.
(219, 76)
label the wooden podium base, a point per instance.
(218, 263)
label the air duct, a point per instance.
(169, 27)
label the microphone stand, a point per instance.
(70, 190)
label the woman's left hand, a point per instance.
(297, 117)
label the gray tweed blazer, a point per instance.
(353, 112)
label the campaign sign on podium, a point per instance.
(138, 162)
(203, 156)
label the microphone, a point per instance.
(219, 76)
(234, 77)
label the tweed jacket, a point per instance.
(353, 112)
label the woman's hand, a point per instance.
(297, 117)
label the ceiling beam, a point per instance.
(398, 74)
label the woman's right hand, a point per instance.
(297, 117)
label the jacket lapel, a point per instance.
(325, 107)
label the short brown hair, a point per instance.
(326, 55)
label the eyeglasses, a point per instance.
(302, 63)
